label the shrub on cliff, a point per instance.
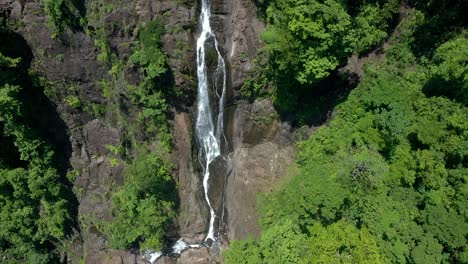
(63, 14)
(144, 206)
(149, 56)
(149, 95)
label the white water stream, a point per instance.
(209, 126)
(208, 135)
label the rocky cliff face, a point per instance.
(70, 67)
(262, 147)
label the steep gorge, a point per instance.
(143, 131)
(260, 146)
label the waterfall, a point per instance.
(209, 126)
(210, 136)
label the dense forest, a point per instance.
(383, 179)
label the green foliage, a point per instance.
(152, 60)
(102, 43)
(282, 243)
(153, 114)
(305, 42)
(63, 14)
(146, 203)
(148, 95)
(450, 74)
(308, 39)
(53, 9)
(256, 85)
(34, 213)
(243, 251)
(385, 181)
(7, 61)
(73, 101)
(149, 56)
(341, 242)
(285, 243)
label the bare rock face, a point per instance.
(114, 257)
(261, 145)
(237, 24)
(262, 152)
(193, 219)
(198, 256)
(194, 256)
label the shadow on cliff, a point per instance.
(73, 14)
(41, 115)
(312, 106)
(179, 98)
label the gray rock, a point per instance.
(262, 152)
(241, 41)
(195, 256)
(193, 210)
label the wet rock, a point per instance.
(166, 260)
(240, 30)
(193, 210)
(114, 257)
(220, 170)
(261, 146)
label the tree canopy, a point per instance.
(146, 202)
(34, 208)
(386, 180)
(308, 39)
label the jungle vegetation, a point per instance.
(386, 180)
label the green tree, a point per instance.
(34, 213)
(428, 250)
(309, 39)
(342, 243)
(450, 72)
(146, 202)
(63, 14)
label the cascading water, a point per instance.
(209, 126)
(210, 137)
